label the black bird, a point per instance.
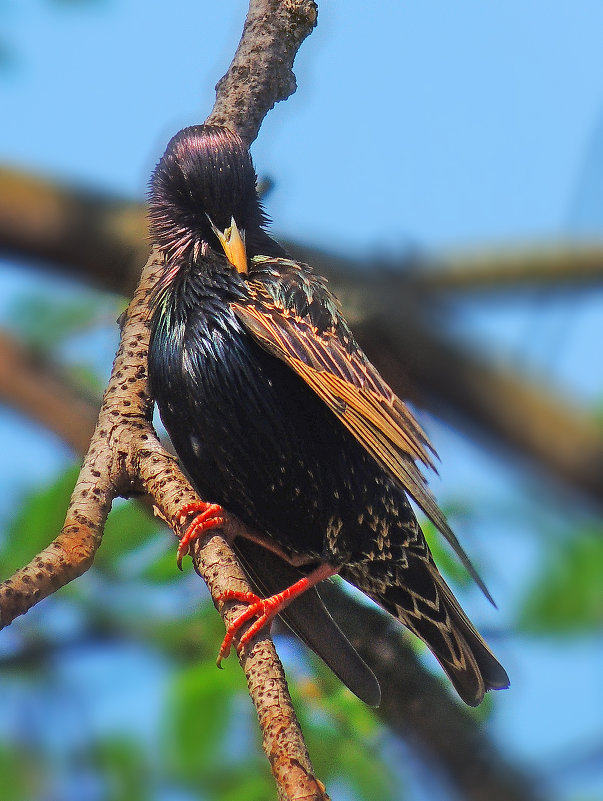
(278, 417)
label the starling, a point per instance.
(278, 417)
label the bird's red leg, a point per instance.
(209, 516)
(266, 609)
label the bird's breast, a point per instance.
(253, 436)
(240, 422)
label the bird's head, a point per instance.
(203, 194)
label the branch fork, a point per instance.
(125, 455)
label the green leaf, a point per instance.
(21, 779)
(43, 325)
(199, 718)
(124, 769)
(40, 518)
(364, 772)
(248, 782)
(163, 569)
(127, 528)
(568, 595)
(86, 378)
(195, 637)
(343, 737)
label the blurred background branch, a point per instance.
(414, 141)
(397, 313)
(414, 704)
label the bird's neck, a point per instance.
(195, 285)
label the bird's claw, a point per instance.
(209, 515)
(266, 609)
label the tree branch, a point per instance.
(565, 265)
(126, 409)
(491, 400)
(261, 73)
(413, 353)
(102, 240)
(79, 232)
(125, 455)
(415, 704)
(39, 392)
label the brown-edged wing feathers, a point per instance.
(292, 314)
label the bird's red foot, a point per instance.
(266, 609)
(209, 515)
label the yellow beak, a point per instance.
(233, 242)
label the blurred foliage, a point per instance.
(567, 595)
(39, 518)
(44, 324)
(447, 561)
(207, 741)
(20, 779)
(206, 744)
(58, 331)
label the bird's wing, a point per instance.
(292, 314)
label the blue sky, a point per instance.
(442, 124)
(434, 125)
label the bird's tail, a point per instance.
(309, 619)
(418, 596)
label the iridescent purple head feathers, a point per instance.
(206, 171)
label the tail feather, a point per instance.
(483, 672)
(309, 619)
(414, 592)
